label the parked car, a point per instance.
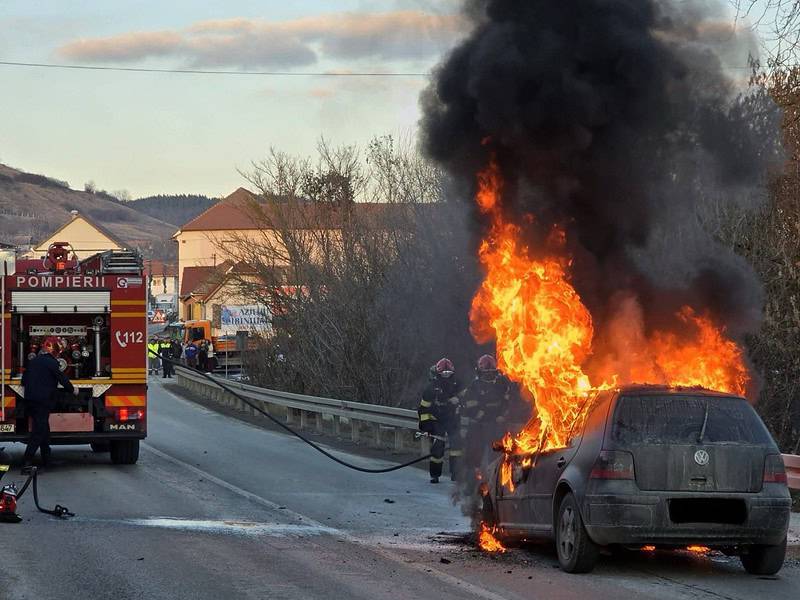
(655, 466)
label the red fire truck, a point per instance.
(96, 307)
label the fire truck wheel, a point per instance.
(124, 452)
(100, 446)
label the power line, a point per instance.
(8, 63)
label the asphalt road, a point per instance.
(218, 508)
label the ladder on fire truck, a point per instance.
(121, 261)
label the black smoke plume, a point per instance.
(620, 121)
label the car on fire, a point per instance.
(654, 467)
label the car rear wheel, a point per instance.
(764, 560)
(577, 553)
(124, 452)
(100, 446)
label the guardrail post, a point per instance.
(354, 430)
(303, 419)
(318, 422)
(337, 426)
(398, 438)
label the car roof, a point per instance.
(662, 390)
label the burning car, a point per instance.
(648, 466)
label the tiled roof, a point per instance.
(194, 279)
(238, 212)
(159, 268)
(228, 213)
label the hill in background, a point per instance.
(177, 209)
(33, 206)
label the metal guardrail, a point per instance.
(310, 411)
(792, 463)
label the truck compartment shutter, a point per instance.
(61, 302)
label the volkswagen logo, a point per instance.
(701, 457)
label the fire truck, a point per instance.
(96, 308)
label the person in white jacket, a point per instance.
(211, 360)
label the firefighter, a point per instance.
(40, 381)
(487, 405)
(438, 417)
(165, 352)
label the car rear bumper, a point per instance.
(645, 519)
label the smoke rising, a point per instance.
(618, 121)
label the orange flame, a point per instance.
(698, 549)
(487, 541)
(648, 548)
(544, 334)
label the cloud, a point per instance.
(123, 48)
(248, 43)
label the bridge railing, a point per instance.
(382, 426)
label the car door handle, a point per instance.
(561, 462)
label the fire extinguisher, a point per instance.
(10, 494)
(8, 503)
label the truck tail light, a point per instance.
(613, 464)
(774, 469)
(129, 414)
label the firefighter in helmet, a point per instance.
(438, 416)
(40, 380)
(487, 405)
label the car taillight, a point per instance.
(774, 469)
(129, 414)
(613, 464)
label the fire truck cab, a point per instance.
(96, 307)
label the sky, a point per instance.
(151, 133)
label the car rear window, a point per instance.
(654, 419)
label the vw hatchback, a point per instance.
(652, 466)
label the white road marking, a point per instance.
(223, 527)
(426, 570)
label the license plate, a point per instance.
(7, 427)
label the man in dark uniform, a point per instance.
(40, 380)
(165, 352)
(438, 416)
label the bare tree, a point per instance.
(368, 272)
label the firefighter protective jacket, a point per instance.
(486, 401)
(440, 401)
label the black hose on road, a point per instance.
(57, 511)
(297, 433)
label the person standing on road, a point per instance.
(177, 351)
(438, 417)
(202, 356)
(152, 356)
(165, 350)
(191, 355)
(211, 359)
(486, 408)
(40, 380)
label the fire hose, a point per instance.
(297, 433)
(10, 495)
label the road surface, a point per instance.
(218, 508)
